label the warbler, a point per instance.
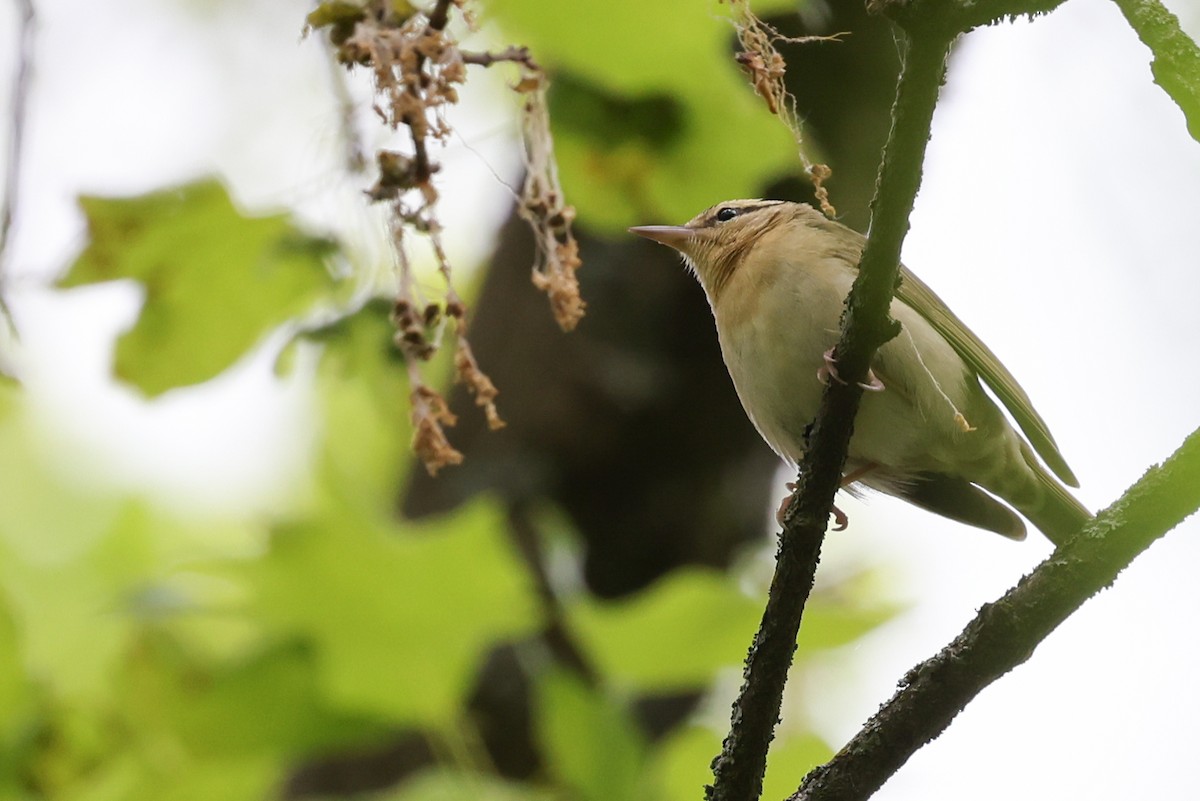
(776, 275)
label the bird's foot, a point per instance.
(840, 521)
(872, 384)
(829, 370)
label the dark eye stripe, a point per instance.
(727, 213)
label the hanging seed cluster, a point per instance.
(764, 65)
(417, 66)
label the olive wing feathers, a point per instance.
(914, 292)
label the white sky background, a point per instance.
(1060, 217)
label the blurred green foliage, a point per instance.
(148, 655)
(652, 119)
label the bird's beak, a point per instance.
(675, 236)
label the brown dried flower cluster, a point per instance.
(543, 208)
(766, 68)
(430, 414)
(417, 67)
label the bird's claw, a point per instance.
(840, 521)
(872, 384)
(829, 370)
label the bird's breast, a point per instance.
(774, 326)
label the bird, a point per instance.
(776, 274)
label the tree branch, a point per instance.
(931, 26)
(16, 136)
(739, 769)
(1005, 633)
(513, 53)
(1176, 64)
(959, 16)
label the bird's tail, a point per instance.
(1050, 507)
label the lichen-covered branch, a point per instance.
(1005, 633)
(1176, 64)
(739, 769)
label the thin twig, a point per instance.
(438, 19)
(514, 53)
(740, 767)
(555, 632)
(440, 16)
(1005, 633)
(16, 139)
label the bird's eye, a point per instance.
(726, 214)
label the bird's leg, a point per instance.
(786, 503)
(840, 521)
(829, 370)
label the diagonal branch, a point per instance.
(16, 136)
(1176, 64)
(931, 26)
(739, 769)
(1005, 633)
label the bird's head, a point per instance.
(716, 242)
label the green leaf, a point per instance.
(591, 745)
(676, 634)
(442, 784)
(398, 619)
(364, 396)
(19, 708)
(266, 703)
(789, 760)
(624, 165)
(680, 631)
(840, 614)
(682, 763)
(336, 12)
(215, 281)
(67, 561)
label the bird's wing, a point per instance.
(922, 299)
